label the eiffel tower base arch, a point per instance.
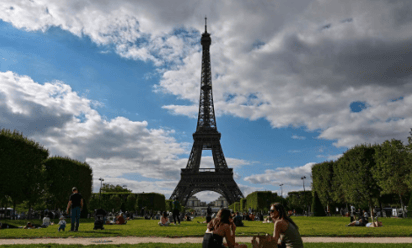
(219, 181)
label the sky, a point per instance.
(116, 84)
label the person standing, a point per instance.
(76, 202)
(176, 209)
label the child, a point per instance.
(62, 224)
(164, 221)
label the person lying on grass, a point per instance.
(221, 226)
(7, 226)
(164, 220)
(29, 225)
(362, 221)
(374, 224)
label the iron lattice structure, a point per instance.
(195, 179)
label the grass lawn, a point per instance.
(187, 245)
(309, 226)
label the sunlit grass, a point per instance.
(308, 226)
(189, 245)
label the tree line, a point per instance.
(29, 176)
(366, 176)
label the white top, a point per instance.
(46, 221)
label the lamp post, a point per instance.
(100, 194)
(304, 193)
(281, 190)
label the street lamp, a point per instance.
(100, 195)
(281, 190)
(306, 204)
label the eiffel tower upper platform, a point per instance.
(195, 179)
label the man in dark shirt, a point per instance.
(76, 202)
(238, 220)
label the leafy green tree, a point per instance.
(410, 207)
(21, 170)
(113, 202)
(317, 207)
(409, 149)
(131, 203)
(392, 168)
(322, 177)
(354, 170)
(298, 200)
(94, 203)
(110, 188)
(62, 174)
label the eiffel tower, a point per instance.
(195, 179)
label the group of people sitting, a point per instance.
(117, 218)
(285, 234)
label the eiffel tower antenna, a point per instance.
(205, 24)
(195, 179)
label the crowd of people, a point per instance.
(220, 225)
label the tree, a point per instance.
(297, 200)
(21, 170)
(62, 174)
(409, 149)
(392, 168)
(110, 188)
(410, 207)
(322, 177)
(317, 207)
(131, 203)
(354, 173)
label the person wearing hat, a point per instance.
(76, 202)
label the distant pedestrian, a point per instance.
(176, 210)
(76, 202)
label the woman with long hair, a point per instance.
(286, 226)
(220, 227)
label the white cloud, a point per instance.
(67, 125)
(289, 177)
(298, 137)
(280, 63)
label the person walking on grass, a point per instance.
(76, 202)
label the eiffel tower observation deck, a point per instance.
(195, 179)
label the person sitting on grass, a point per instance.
(221, 226)
(267, 220)
(46, 221)
(120, 220)
(284, 226)
(164, 220)
(187, 217)
(238, 220)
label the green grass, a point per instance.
(188, 245)
(309, 227)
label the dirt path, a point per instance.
(136, 240)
